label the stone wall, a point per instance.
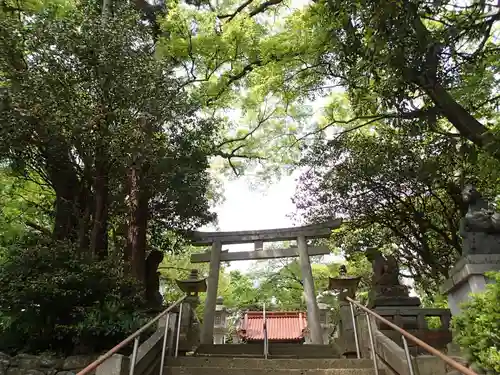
(25, 364)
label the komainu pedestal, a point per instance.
(480, 231)
(388, 295)
(391, 300)
(468, 276)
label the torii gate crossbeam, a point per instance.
(258, 237)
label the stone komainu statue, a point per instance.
(480, 227)
(385, 269)
(385, 281)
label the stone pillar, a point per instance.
(313, 321)
(468, 276)
(117, 364)
(220, 325)
(324, 318)
(207, 333)
(346, 331)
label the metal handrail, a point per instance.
(136, 336)
(266, 343)
(405, 335)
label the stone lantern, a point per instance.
(192, 286)
(189, 330)
(346, 287)
(220, 322)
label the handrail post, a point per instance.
(354, 326)
(408, 356)
(264, 318)
(164, 347)
(372, 343)
(178, 331)
(134, 356)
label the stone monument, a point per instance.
(387, 289)
(480, 232)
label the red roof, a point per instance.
(281, 326)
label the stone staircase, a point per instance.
(276, 350)
(260, 366)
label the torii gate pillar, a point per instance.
(207, 331)
(313, 321)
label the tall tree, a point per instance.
(88, 106)
(414, 60)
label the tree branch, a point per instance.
(259, 9)
(39, 228)
(264, 6)
(238, 10)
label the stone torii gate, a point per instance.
(258, 237)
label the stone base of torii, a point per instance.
(300, 234)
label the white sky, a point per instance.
(248, 209)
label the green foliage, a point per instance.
(25, 205)
(52, 298)
(240, 291)
(104, 92)
(409, 67)
(437, 301)
(477, 328)
(412, 63)
(84, 106)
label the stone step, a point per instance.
(312, 351)
(267, 371)
(275, 350)
(260, 363)
(209, 349)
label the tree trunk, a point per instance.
(137, 226)
(84, 222)
(65, 223)
(99, 237)
(65, 182)
(139, 208)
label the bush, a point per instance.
(54, 299)
(477, 329)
